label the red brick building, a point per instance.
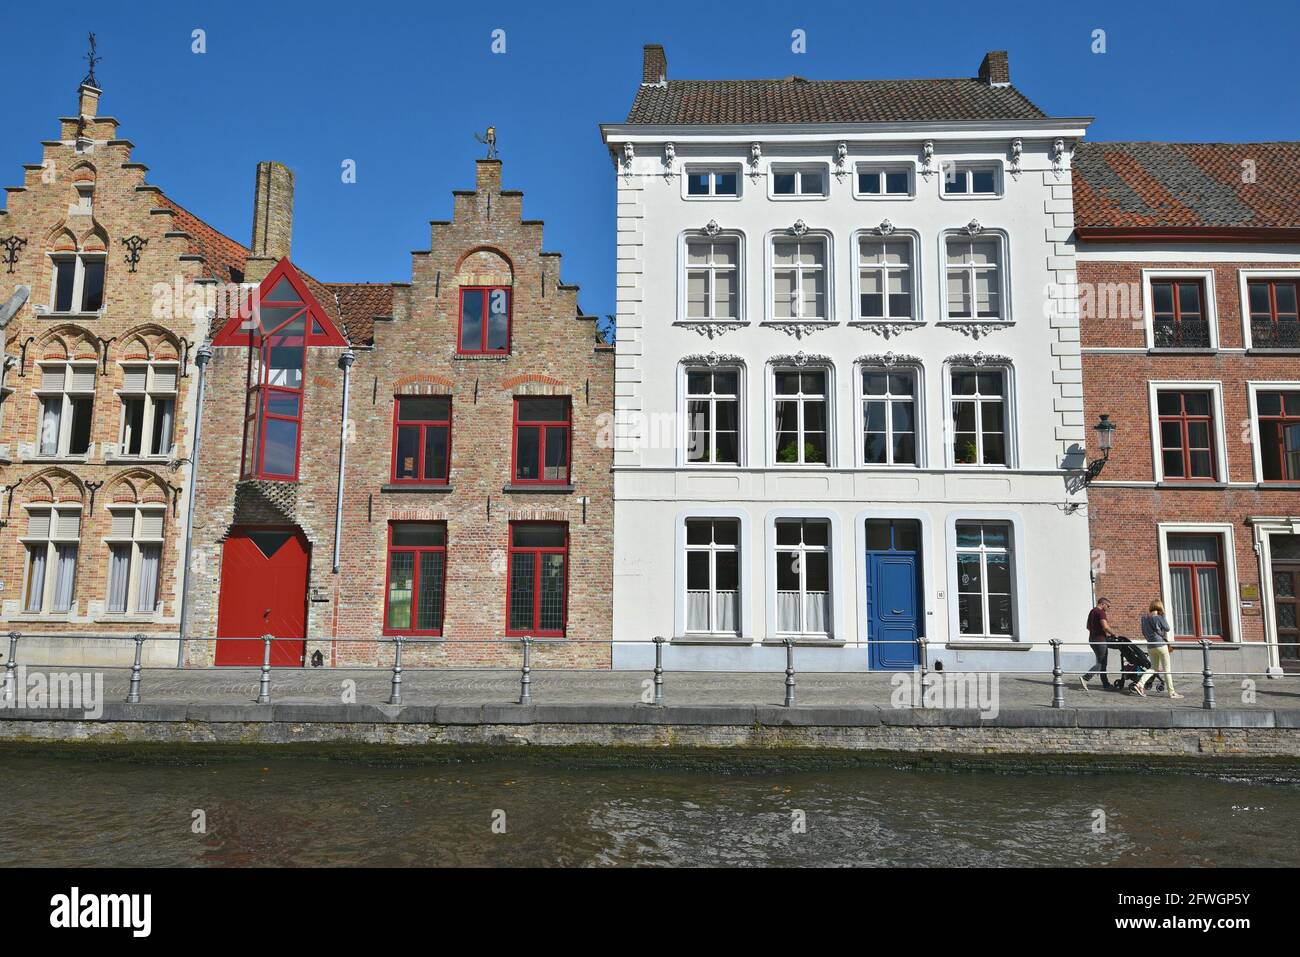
(1189, 258)
(426, 459)
(107, 285)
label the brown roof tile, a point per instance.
(224, 257)
(359, 304)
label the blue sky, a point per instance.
(401, 87)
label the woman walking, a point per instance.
(1155, 631)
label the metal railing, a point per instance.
(526, 643)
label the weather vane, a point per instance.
(92, 60)
(489, 139)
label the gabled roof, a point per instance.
(796, 100)
(1186, 186)
(224, 257)
(286, 292)
(359, 304)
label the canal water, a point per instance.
(91, 807)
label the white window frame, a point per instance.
(152, 398)
(964, 168)
(711, 270)
(823, 169)
(1209, 305)
(769, 277)
(1244, 276)
(65, 412)
(881, 169)
(713, 169)
(684, 398)
(712, 550)
(1004, 275)
(1253, 388)
(828, 373)
(1228, 553)
(78, 282)
(52, 542)
(1009, 418)
(913, 239)
(135, 542)
(1215, 388)
(917, 371)
(1015, 565)
(833, 538)
(745, 620)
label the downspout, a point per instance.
(201, 358)
(345, 361)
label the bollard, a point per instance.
(1207, 681)
(1058, 684)
(264, 687)
(526, 677)
(789, 672)
(11, 683)
(395, 695)
(659, 669)
(925, 672)
(133, 693)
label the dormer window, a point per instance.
(484, 320)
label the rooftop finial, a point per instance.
(489, 139)
(92, 60)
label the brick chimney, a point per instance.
(994, 68)
(87, 100)
(654, 64)
(272, 219)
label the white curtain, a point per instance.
(1180, 600)
(50, 425)
(163, 409)
(787, 611)
(697, 611)
(1207, 580)
(36, 577)
(64, 576)
(816, 605)
(147, 590)
(119, 571)
(728, 612)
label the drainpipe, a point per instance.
(201, 358)
(345, 361)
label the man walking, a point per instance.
(1098, 632)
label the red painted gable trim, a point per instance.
(233, 333)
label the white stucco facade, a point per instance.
(1032, 346)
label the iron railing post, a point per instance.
(789, 672)
(925, 670)
(526, 676)
(264, 687)
(11, 682)
(659, 669)
(133, 692)
(1207, 680)
(395, 694)
(1058, 683)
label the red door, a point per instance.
(263, 592)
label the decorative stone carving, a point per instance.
(799, 228)
(976, 328)
(800, 328)
(889, 360)
(887, 328)
(973, 228)
(978, 359)
(711, 329)
(711, 228)
(1017, 148)
(886, 227)
(755, 158)
(670, 156)
(841, 161)
(1058, 157)
(800, 359)
(927, 158)
(711, 359)
(629, 154)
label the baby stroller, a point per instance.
(1134, 662)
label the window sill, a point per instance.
(481, 356)
(49, 313)
(884, 197)
(1181, 350)
(711, 640)
(997, 644)
(138, 459)
(60, 459)
(805, 642)
(124, 618)
(416, 487)
(976, 327)
(1166, 483)
(539, 489)
(1273, 350)
(1277, 486)
(711, 327)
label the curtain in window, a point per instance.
(787, 611)
(817, 605)
(36, 578)
(147, 591)
(50, 425)
(162, 438)
(1180, 584)
(697, 611)
(119, 571)
(1193, 548)
(64, 575)
(728, 612)
(1207, 582)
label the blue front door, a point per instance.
(893, 597)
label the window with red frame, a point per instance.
(1178, 313)
(539, 571)
(484, 320)
(1279, 435)
(417, 575)
(1197, 599)
(1186, 429)
(1274, 320)
(422, 438)
(541, 446)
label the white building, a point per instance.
(848, 374)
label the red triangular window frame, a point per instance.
(236, 333)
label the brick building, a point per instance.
(1189, 257)
(425, 459)
(108, 285)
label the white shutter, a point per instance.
(151, 523)
(83, 379)
(134, 377)
(68, 524)
(123, 523)
(38, 524)
(52, 378)
(164, 379)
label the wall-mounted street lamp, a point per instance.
(1105, 430)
